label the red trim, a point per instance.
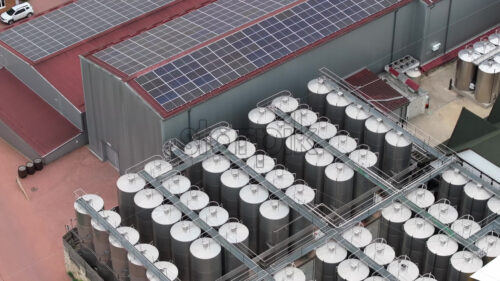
(412, 84)
(394, 72)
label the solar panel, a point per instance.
(204, 70)
(73, 23)
(188, 31)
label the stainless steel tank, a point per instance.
(164, 217)
(443, 212)
(224, 135)
(319, 88)
(157, 167)
(359, 236)
(417, 231)
(237, 234)
(355, 118)
(83, 219)
(276, 134)
(451, 186)
(274, 217)
(258, 119)
(251, 197)
(286, 104)
(232, 181)
(280, 178)
(193, 149)
(214, 216)
(213, 168)
(462, 265)
(118, 253)
(375, 130)
(490, 244)
(195, 200)
(146, 201)
(391, 224)
(183, 234)
(167, 268)
(366, 159)
(465, 227)
(426, 277)
(374, 278)
(492, 208)
(352, 270)
(483, 47)
(323, 129)
(380, 252)
(343, 143)
(495, 38)
(177, 184)
(338, 185)
(317, 159)
(397, 152)
(474, 200)
(127, 186)
(296, 147)
(242, 149)
(336, 103)
(302, 195)
(261, 163)
(326, 260)
(101, 235)
(466, 71)
(205, 260)
(304, 117)
(290, 273)
(403, 269)
(487, 81)
(421, 197)
(439, 250)
(137, 270)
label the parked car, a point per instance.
(16, 13)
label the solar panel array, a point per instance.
(206, 69)
(183, 33)
(73, 23)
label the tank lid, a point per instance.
(381, 253)
(111, 217)
(358, 236)
(224, 135)
(196, 148)
(476, 191)
(331, 253)
(468, 55)
(279, 129)
(418, 228)
(425, 278)
(167, 268)
(185, 231)
(261, 115)
(216, 164)
(453, 176)
(403, 269)
(95, 201)
(254, 194)
(466, 262)
(157, 167)
(442, 245)
(494, 205)
(353, 270)
(337, 98)
(214, 216)
(364, 157)
(242, 149)
(356, 111)
(280, 178)
(497, 58)
(319, 157)
(376, 125)
(128, 233)
(396, 213)
(261, 163)
(290, 274)
(490, 245)
(339, 172)
(321, 86)
(465, 227)
(195, 199)
(301, 194)
(344, 144)
(177, 184)
(274, 209)
(495, 38)
(324, 130)
(299, 143)
(130, 183)
(304, 117)
(234, 178)
(490, 67)
(149, 251)
(166, 214)
(285, 103)
(205, 248)
(444, 212)
(421, 197)
(148, 198)
(234, 232)
(374, 278)
(414, 73)
(483, 47)
(397, 139)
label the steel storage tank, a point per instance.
(439, 250)
(274, 217)
(444, 212)
(214, 216)
(421, 197)
(286, 104)
(343, 143)
(327, 259)
(451, 186)
(366, 159)
(338, 185)
(183, 233)
(251, 196)
(195, 200)
(224, 135)
(290, 274)
(417, 231)
(483, 47)
(375, 278)
(304, 117)
(205, 260)
(232, 181)
(83, 219)
(397, 152)
(280, 178)
(465, 74)
(487, 81)
(242, 149)
(352, 270)
(157, 167)
(317, 159)
(258, 119)
(319, 88)
(137, 270)
(474, 200)
(118, 253)
(167, 268)
(336, 103)
(296, 147)
(427, 277)
(465, 227)
(101, 235)
(177, 184)
(375, 130)
(145, 202)
(355, 118)
(359, 236)
(237, 234)
(493, 208)
(276, 134)
(323, 129)
(164, 217)
(302, 195)
(213, 168)
(490, 244)
(462, 265)
(391, 224)
(127, 186)
(495, 38)
(380, 252)
(261, 163)
(403, 269)
(193, 149)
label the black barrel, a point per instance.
(38, 164)
(22, 172)
(30, 168)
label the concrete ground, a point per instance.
(31, 230)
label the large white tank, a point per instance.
(359, 236)
(366, 159)
(195, 200)
(327, 258)
(493, 208)
(177, 184)
(451, 186)
(374, 135)
(462, 265)
(276, 134)
(343, 143)
(280, 178)
(242, 149)
(251, 197)
(83, 219)
(465, 227)
(490, 244)
(487, 81)
(290, 274)
(157, 167)
(273, 223)
(302, 195)
(444, 212)
(258, 119)
(352, 270)
(336, 103)
(237, 234)
(164, 217)
(338, 185)
(466, 69)
(319, 88)
(403, 269)
(101, 235)
(439, 250)
(391, 224)
(232, 181)
(323, 129)
(397, 152)
(167, 268)
(426, 277)
(224, 135)
(136, 268)
(213, 168)
(495, 38)
(127, 186)
(304, 117)
(380, 252)
(214, 216)
(421, 197)
(118, 253)
(205, 260)
(183, 234)
(474, 200)
(261, 163)
(194, 149)
(355, 118)
(317, 159)
(417, 231)
(483, 47)
(296, 147)
(286, 104)
(146, 201)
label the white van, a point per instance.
(16, 13)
